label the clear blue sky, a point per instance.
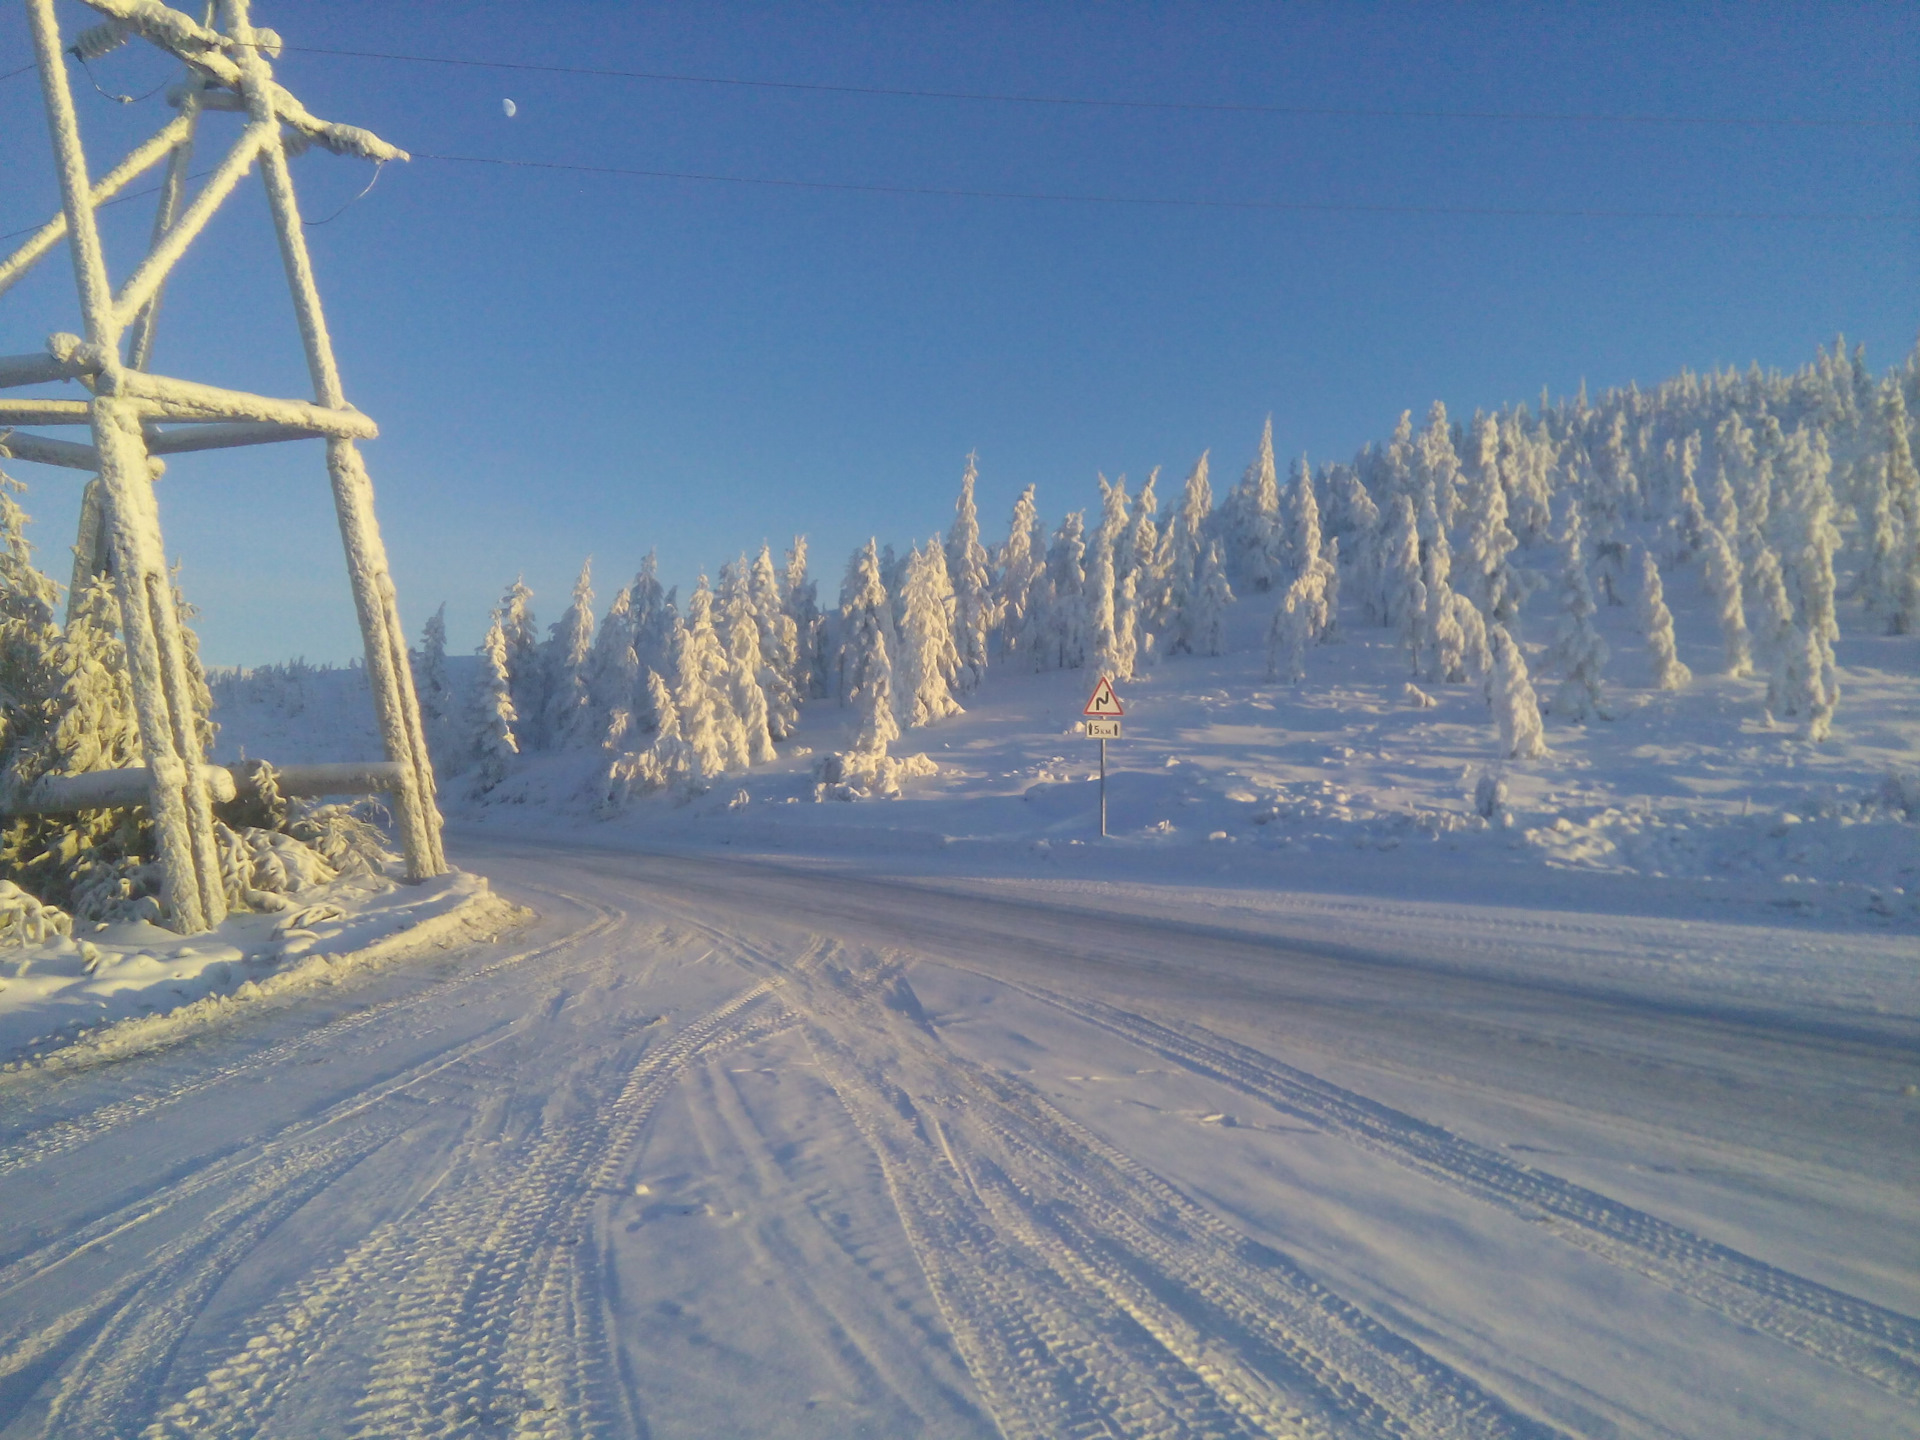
(566, 364)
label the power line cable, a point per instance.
(1083, 102)
(1149, 201)
(1176, 202)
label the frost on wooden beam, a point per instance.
(205, 50)
(163, 398)
(18, 370)
(43, 451)
(131, 786)
(45, 412)
(160, 397)
(116, 180)
(225, 437)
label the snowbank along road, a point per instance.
(720, 1148)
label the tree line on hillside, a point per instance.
(1762, 479)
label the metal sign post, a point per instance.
(1103, 710)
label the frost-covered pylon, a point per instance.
(136, 417)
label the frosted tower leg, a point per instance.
(163, 703)
(389, 677)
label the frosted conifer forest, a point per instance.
(812, 1066)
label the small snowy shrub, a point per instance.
(866, 774)
(349, 838)
(115, 889)
(25, 921)
(1490, 799)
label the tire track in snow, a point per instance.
(69, 1134)
(1087, 1295)
(112, 1347)
(1878, 1344)
(484, 1313)
(829, 1244)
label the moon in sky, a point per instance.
(509, 108)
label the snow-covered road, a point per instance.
(725, 1148)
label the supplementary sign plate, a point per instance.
(1103, 701)
(1103, 729)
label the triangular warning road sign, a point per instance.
(1103, 701)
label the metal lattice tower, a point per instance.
(137, 417)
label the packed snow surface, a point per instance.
(736, 1147)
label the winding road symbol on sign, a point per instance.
(1103, 701)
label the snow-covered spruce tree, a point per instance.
(1412, 622)
(1688, 524)
(1111, 614)
(1251, 520)
(199, 693)
(1103, 586)
(1330, 570)
(1146, 559)
(866, 625)
(1399, 571)
(1776, 632)
(1527, 456)
(1892, 581)
(618, 705)
(1669, 672)
(802, 599)
(1511, 698)
(866, 769)
(872, 697)
(490, 711)
(696, 710)
(1476, 658)
(1809, 541)
(1365, 541)
(1302, 618)
(1300, 536)
(1578, 653)
(1496, 587)
(666, 761)
(928, 655)
(744, 693)
(1186, 540)
(1394, 475)
(1722, 573)
(650, 616)
(708, 718)
(436, 691)
(893, 575)
(1022, 569)
(1132, 647)
(66, 708)
(779, 646)
(1443, 642)
(1064, 632)
(1436, 465)
(1305, 614)
(568, 717)
(1115, 509)
(94, 724)
(972, 579)
(1205, 620)
(1726, 508)
(525, 674)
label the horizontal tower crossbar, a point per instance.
(131, 786)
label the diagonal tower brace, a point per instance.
(227, 69)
